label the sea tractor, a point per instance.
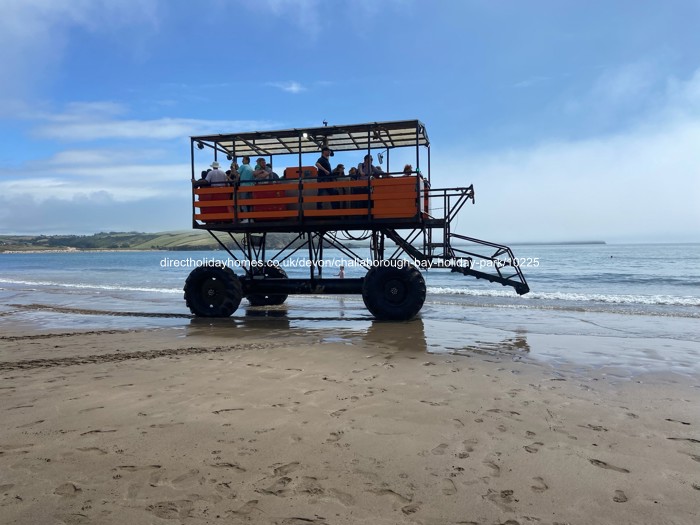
(406, 221)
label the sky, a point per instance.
(574, 120)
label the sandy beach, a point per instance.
(231, 422)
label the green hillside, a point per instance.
(187, 240)
(177, 240)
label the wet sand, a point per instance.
(249, 421)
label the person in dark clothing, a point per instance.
(326, 175)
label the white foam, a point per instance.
(82, 286)
(668, 300)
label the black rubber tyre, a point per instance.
(213, 291)
(268, 300)
(395, 292)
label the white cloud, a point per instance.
(68, 159)
(531, 81)
(35, 33)
(92, 212)
(289, 87)
(99, 120)
(625, 85)
(639, 184)
(305, 13)
(69, 174)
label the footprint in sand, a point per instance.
(689, 440)
(501, 499)
(134, 468)
(246, 509)
(283, 470)
(439, 450)
(93, 449)
(89, 409)
(448, 487)
(310, 486)
(540, 485)
(74, 519)
(278, 488)
(677, 421)
(603, 464)
(98, 431)
(67, 489)
(172, 510)
(398, 498)
(619, 497)
(343, 497)
(534, 447)
(234, 466)
(495, 469)
(410, 509)
(335, 437)
(27, 425)
(189, 476)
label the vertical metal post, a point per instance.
(193, 179)
(236, 184)
(369, 175)
(300, 196)
(311, 255)
(320, 254)
(428, 165)
(417, 147)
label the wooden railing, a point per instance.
(385, 198)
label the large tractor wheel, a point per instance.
(213, 291)
(274, 272)
(395, 292)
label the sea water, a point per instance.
(600, 304)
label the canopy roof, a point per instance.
(353, 137)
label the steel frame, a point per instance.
(413, 238)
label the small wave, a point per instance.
(83, 286)
(666, 300)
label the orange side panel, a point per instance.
(210, 204)
(213, 216)
(335, 213)
(268, 214)
(306, 171)
(212, 191)
(272, 200)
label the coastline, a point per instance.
(251, 422)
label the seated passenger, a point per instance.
(273, 176)
(353, 173)
(202, 180)
(262, 171)
(367, 169)
(233, 174)
(362, 190)
(407, 170)
(216, 177)
(339, 173)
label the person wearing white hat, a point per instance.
(216, 177)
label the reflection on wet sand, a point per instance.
(417, 336)
(515, 347)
